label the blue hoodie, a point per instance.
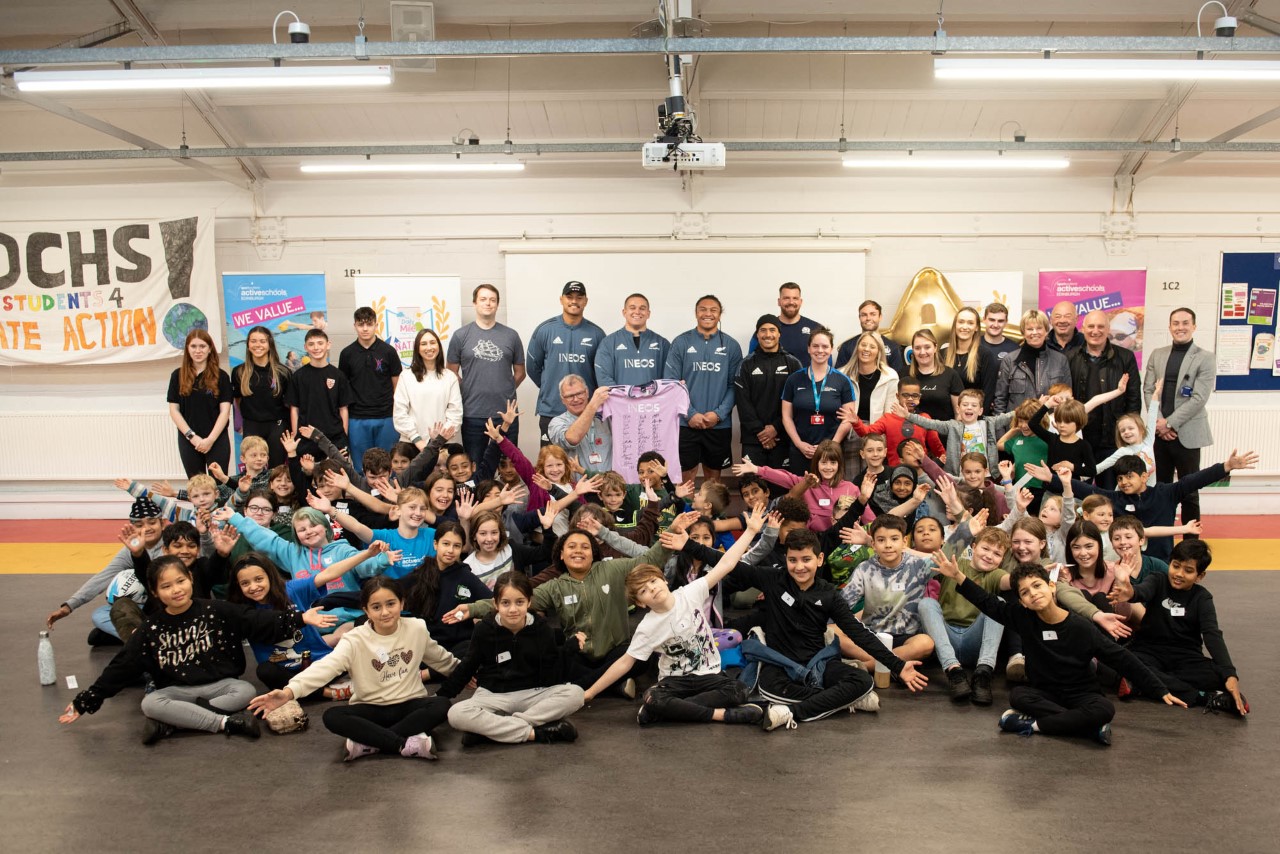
(620, 362)
(708, 367)
(300, 561)
(557, 350)
(302, 595)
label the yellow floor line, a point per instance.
(88, 558)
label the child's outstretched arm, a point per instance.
(615, 672)
(331, 451)
(1107, 396)
(727, 563)
(337, 569)
(346, 520)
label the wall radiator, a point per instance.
(105, 445)
(93, 446)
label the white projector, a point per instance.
(687, 155)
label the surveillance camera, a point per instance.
(1019, 137)
(299, 33)
(1225, 27)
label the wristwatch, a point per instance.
(189, 433)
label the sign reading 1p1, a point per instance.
(99, 292)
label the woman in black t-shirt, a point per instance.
(200, 406)
(940, 386)
(258, 386)
(975, 364)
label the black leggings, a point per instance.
(194, 462)
(1060, 713)
(274, 676)
(386, 727)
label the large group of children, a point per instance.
(967, 537)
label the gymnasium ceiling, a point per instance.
(793, 96)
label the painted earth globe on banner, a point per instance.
(180, 320)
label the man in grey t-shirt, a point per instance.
(489, 360)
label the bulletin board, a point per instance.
(1246, 322)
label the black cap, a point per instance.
(143, 508)
(769, 318)
(574, 289)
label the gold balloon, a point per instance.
(931, 303)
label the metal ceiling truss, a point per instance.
(632, 148)
(473, 48)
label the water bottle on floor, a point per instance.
(44, 660)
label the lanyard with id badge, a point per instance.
(817, 419)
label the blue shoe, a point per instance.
(1103, 735)
(1016, 722)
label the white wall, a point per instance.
(456, 225)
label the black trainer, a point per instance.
(960, 687)
(982, 685)
(1222, 701)
(97, 637)
(472, 739)
(242, 723)
(555, 731)
(747, 713)
(153, 730)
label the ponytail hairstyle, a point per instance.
(187, 373)
(379, 582)
(279, 373)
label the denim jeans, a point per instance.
(366, 433)
(474, 439)
(810, 674)
(955, 645)
(101, 617)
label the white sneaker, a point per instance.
(868, 702)
(355, 750)
(419, 745)
(777, 716)
(628, 688)
(756, 632)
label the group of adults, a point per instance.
(788, 390)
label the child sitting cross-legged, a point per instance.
(519, 668)
(192, 648)
(797, 670)
(1062, 696)
(691, 686)
(1180, 617)
(890, 586)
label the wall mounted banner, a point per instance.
(288, 304)
(407, 304)
(104, 291)
(1122, 294)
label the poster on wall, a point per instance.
(288, 305)
(407, 304)
(84, 292)
(980, 288)
(1121, 294)
(1247, 322)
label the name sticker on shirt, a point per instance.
(898, 587)
(571, 599)
(1049, 635)
(1177, 611)
(504, 657)
(788, 598)
(824, 502)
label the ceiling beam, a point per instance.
(119, 133)
(151, 37)
(633, 148)
(1239, 130)
(657, 46)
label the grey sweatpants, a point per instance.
(176, 705)
(509, 716)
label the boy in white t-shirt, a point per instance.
(691, 686)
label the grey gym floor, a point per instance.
(922, 775)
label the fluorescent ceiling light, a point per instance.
(958, 163)
(339, 168)
(1104, 69)
(159, 79)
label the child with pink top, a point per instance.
(823, 486)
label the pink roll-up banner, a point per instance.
(1122, 294)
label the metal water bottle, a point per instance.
(44, 660)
